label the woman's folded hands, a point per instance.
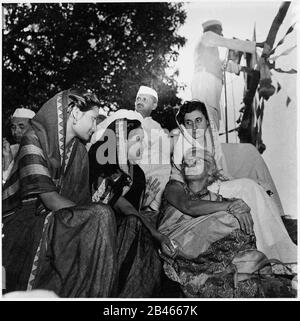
(167, 246)
(152, 188)
(239, 209)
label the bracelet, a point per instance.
(228, 210)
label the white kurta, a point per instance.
(155, 161)
(272, 238)
(271, 235)
(207, 83)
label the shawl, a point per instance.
(111, 179)
(44, 163)
(209, 141)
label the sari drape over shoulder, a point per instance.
(272, 238)
(44, 163)
(139, 266)
(31, 256)
(208, 248)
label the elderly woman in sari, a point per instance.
(215, 251)
(54, 237)
(198, 129)
(207, 235)
(117, 180)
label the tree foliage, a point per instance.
(110, 48)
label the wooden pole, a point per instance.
(226, 111)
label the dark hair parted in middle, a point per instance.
(83, 99)
(190, 106)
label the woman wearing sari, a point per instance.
(54, 237)
(198, 129)
(215, 254)
(118, 181)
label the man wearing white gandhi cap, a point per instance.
(20, 122)
(207, 80)
(155, 160)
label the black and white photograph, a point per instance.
(149, 151)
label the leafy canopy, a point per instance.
(110, 48)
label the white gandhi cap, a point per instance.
(144, 90)
(210, 23)
(23, 113)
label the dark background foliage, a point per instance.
(110, 48)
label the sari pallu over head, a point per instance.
(110, 179)
(209, 141)
(44, 163)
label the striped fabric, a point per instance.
(34, 172)
(30, 175)
(42, 171)
(43, 165)
(37, 257)
(64, 152)
(112, 185)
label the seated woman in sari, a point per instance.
(214, 241)
(197, 129)
(54, 237)
(117, 180)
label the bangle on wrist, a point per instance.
(228, 209)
